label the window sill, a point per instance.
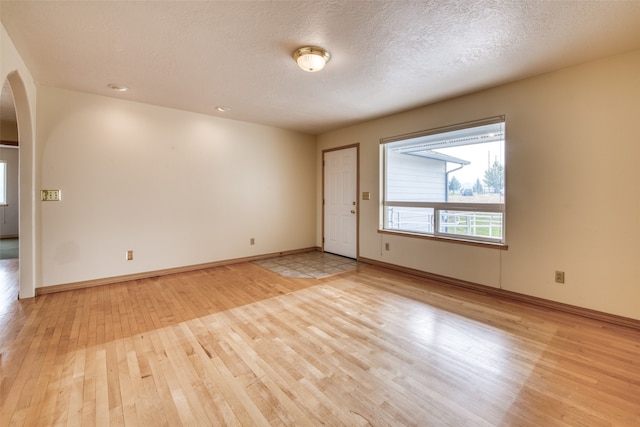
(500, 246)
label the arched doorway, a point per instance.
(26, 185)
(9, 197)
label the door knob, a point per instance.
(352, 211)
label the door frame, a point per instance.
(345, 147)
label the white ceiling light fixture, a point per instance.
(311, 58)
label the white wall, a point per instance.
(573, 187)
(177, 188)
(9, 214)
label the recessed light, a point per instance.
(117, 87)
(223, 109)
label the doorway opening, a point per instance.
(9, 197)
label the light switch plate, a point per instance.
(50, 195)
(366, 195)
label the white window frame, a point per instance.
(440, 207)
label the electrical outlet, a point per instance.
(559, 276)
(252, 241)
(386, 246)
(129, 255)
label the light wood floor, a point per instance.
(240, 345)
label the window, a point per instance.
(447, 182)
(3, 182)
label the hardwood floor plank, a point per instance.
(74, 408)
(239, 345)
(164, 404)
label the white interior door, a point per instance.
(340, 202)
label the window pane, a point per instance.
(416, 220)
(3, 183)
(461, 166)
(483, 225)
(482, 180)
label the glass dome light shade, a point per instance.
(311, 58)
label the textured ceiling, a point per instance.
(387, 56)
